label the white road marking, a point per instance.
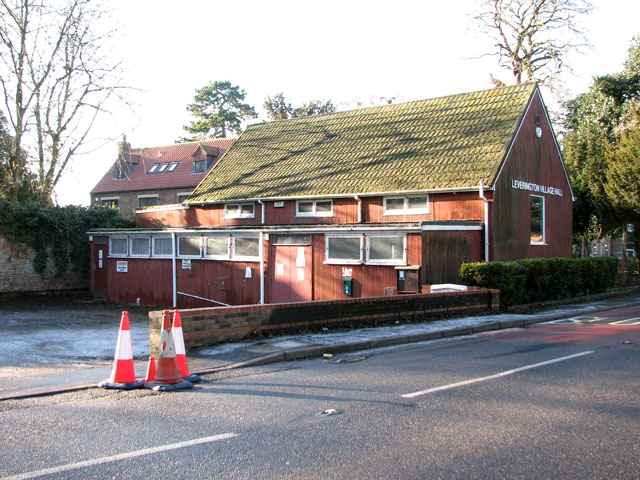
(121, 456)
(497, 375)
(627, 321)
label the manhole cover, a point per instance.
(329, 412)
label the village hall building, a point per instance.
(376, 201)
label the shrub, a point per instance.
(539, 279)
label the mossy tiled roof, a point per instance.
(442, 143)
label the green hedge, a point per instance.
(540, 279)
(59, 233)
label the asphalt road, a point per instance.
(555, 400)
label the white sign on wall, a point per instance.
(534, 187)
(122, 266)
(186, 264)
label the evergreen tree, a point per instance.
(219, 108)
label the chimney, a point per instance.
(123, 146)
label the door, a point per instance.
(101, 249)
(290, 273)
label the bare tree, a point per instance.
(55, 77)
(533, 37)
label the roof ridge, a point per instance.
(374, 108)
(180, 144)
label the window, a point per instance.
(199, 166)
(537, 220)
(123, 171)
(118, 246)
(406, 205)
(153, 168)
(239, 210)
(343, 249)
(386, 249)
(246, 248)
(140, 246)
(173, 166)
(290, 240)
(217, 247)
(163, 167)
(189, 246)
(314, 208)
(147, 201)
(109, 202)
(182, 197)
(162, 247)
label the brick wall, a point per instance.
(209, 326)
(17, 274)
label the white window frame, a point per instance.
(406, 209)
(241, 257)
(228, 213)
(314, 209)
(217, 257)
(132, 238)
(544, 229)
(126, 239)
(402, 261)
(188, 256)
(153, 246)
(342, 261)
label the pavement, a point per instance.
(38, 376)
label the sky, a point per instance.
(349, 52)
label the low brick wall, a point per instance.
(17, 273)
(209, 326)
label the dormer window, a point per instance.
(123, 171)
(199, 166)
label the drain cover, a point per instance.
(329, 412)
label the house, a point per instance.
(370, 202)
(143, 177)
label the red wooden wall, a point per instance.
(534, 160)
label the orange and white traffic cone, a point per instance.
(168, 375)
(123, 374)
(181, 354)
(151, 370)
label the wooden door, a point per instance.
(291, 273)
(100, 270)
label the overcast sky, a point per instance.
(341, 51)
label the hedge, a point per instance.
(540, 279)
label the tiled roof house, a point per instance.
(363, 202)
(142, 177)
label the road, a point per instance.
(554, 400)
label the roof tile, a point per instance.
(144, 158)
(447, 142)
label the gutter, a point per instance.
(339, 195)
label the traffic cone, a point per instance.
(168, 375)
(151, 370)
(181, 354)
(123, 374)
